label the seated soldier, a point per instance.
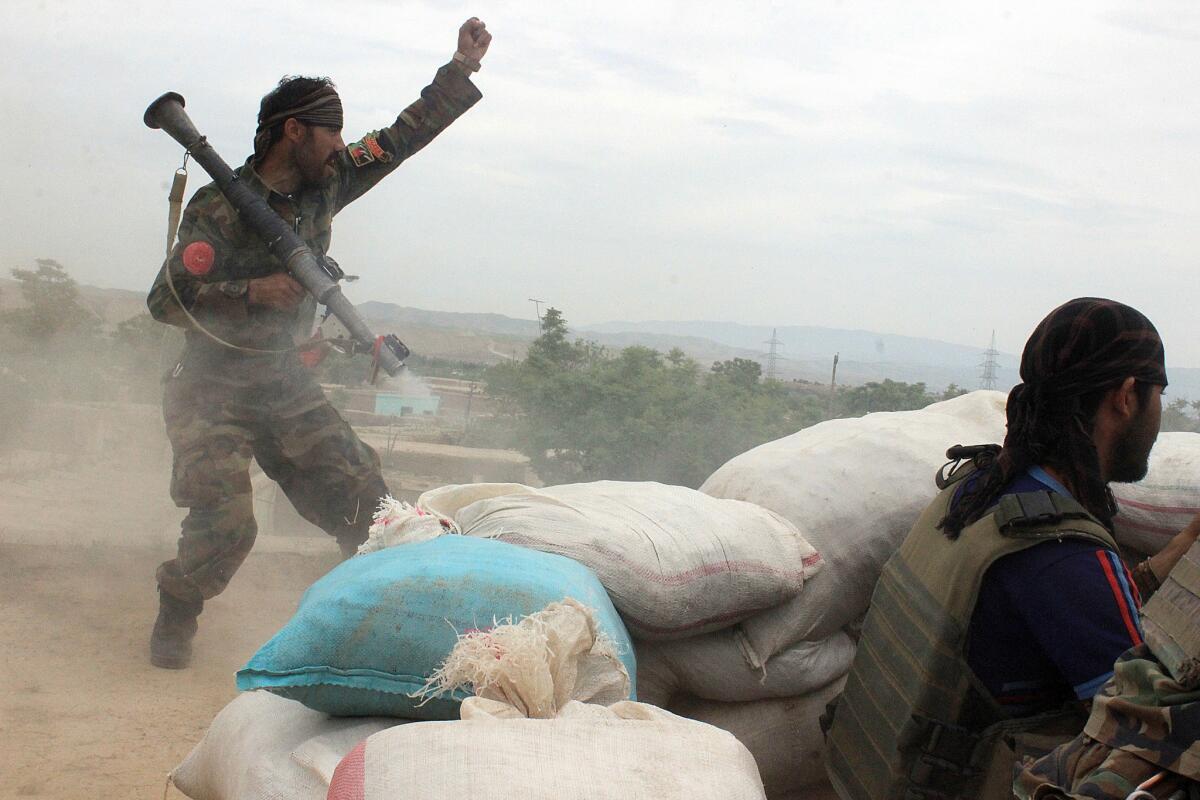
(1004, 609)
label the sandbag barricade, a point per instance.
(265, 747)
(783, 734)
(853, 487)
(676, 562)
(715, 667)
(372, 631)
(523, 735)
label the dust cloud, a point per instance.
(85, 519)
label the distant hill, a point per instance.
(455, 320)
(806, 352)
(802, 342)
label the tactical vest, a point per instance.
(914, 722)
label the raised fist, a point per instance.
(473, 38)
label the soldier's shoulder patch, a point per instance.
(371, 141)
(360, 154)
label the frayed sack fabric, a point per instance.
(524, 737)
(371, 632)
(264, 747)
(396, 522)
(853, 487)
(676, 563)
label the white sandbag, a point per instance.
(628, 751)
(715, 667)
(853, 487)
(265, 747)
(784, 735)
(525, 735)
(675, 562)
(1161, 504)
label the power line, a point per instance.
(987, 378)
(773, 356)
(537, 310)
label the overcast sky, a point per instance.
(929, 169)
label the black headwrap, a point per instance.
(322, 106)
(1087, 344)
(1082, 348)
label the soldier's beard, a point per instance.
(1131, 453)
(313, 170)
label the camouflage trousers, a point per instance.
(286, 424)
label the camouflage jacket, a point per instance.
(210, 277)
(1141, 724)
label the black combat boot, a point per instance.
(171, 641)
(349, 546)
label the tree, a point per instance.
(740, 371)
(52, 306)
(952, 391)
(886, 396)
(581, 413)
(1175, 416)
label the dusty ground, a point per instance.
(82, 712)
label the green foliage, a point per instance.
(740, 371)
(54, 348)
(52, 308)
(952, 391)
(581, 413)
(433, 367)
(1180, 415)
(886, 396)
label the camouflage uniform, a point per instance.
(1142, 723)
(223, 406)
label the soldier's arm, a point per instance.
(1149, 574)
(199, 278)
(367, 161)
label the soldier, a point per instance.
(1003, 611)
(240, 390)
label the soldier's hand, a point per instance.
(473, 38)
(279, 291)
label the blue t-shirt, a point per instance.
(1051, 619)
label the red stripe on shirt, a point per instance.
(1119, 596)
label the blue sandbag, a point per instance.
(372, 631)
